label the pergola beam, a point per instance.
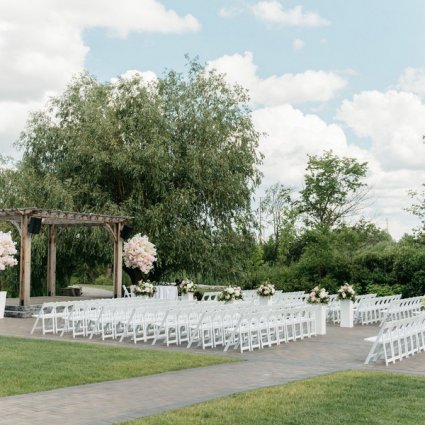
(60, 217)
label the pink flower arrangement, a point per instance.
(7, 251)
(318, 295)
(139, 253)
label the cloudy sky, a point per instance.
(342, 75)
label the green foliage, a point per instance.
(178, 155)
(327, 251)
(384, 290)
(103, 280)
(331, 258)
(333, 190)
(418, 208)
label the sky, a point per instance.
(342, 75)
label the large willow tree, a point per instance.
(178, 154)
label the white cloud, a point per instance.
(13, 116)
(389, 193)
(41, 45)
(413, 80)
(229, 12)
(298, 44)
(128, 16)
(145, 76)
(309, 86)
(292, 135)
(394, 122)
(274, 13)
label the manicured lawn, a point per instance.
(32, 365)
(106, 287)
(349, 398)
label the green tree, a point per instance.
(278, 212)
(333, 190)
(179, 155)
(418, 208)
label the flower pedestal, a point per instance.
(2, 303)
(320, 318)
(187, 297)
(265, 300)
(347, 314)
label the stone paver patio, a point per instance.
(115, 401)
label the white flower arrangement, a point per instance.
(266, 289)
(187, 286)
(7, 251)
(318, 295)
(346, 293)
(139, 253)
(145, 288)
(231, 293)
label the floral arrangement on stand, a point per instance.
(139, 253)
(187, 286)
(318, 295)
(346, 293)
(231, 293)
(145, 289)
(266, 289)
(7, 251)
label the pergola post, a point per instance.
(117, 261)
(25, 263)
(51, 261)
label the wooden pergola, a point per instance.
(54, 220)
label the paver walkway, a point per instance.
(111, 402)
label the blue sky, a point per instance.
(341, 75)
(377, 39)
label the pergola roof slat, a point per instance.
(61, 217)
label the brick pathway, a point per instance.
(115, 401)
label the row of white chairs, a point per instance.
(398, 339)
(54, 317)
(373, 310)
(334, 314)
(51, 316)
(242, 325)
(404, 308)
(268, 327)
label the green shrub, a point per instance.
(103, 280)
(384, 290)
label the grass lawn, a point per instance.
(32, 365)
(106, 287)
(354, 398)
